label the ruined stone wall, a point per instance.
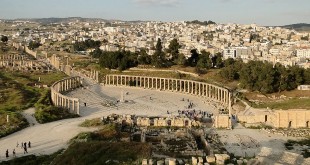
(222, 121)
(60, 100)
(31, 52)
(280, 118)
(169, 121)
(291, 119)
(252, 118)
(21, 47)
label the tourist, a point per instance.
(29, 144)
(25, 148)
(85, 104)
(14, 154)
(7, 153)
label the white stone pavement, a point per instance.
(49, 138)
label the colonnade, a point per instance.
(27, 63)
(55, 61)
(210, 91)
(61, 100)
(12, 57)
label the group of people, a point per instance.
(193, 113)
(24, 146)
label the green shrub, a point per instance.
(92, 123)
(99, 152)
(51, 113)
(16, 123)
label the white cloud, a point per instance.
(158, 2)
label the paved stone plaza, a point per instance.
(50, 137)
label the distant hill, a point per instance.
(64, 20)
(298, 27)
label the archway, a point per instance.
(186, 123)
(169, 122)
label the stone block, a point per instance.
(210, 159)
(160, 162)
(144, 162)
(194, 161)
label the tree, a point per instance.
(228, 62)
(229, 73)
(192, 61)
(173, 49)
(158, 58)
(96, 53)
(34, 44)
(87, 44)
(144, 58)
(204, 60)
(181, 60)
(4, 39)
(118, 60)
(217, 60)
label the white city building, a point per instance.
(305, 53)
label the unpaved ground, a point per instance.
(50, 137)
(268, 148)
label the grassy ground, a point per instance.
(17, 92)
(100, 152)
(294, 103)
(17, 89)
(294, 99)
(46, 112)
(32, 160)
(92, 123)
(104, 147)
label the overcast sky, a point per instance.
(262, 12)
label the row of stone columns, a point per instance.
(61, 100)
(21, 63)
(55, 61)
(175, 85)
(92, 74)
(12, 57)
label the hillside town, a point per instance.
(176, 116)
(246, 42)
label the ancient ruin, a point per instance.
(212, 93)
(59, 99)
(279, 118)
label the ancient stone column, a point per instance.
(164, 84)
(152, 79)
(169, 84)
(78, 107)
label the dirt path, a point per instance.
(51, 137)
(29, 115)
